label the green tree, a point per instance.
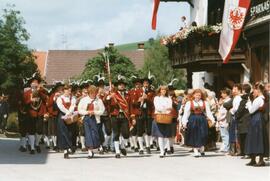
(16, 59)
(119, 65)
(158, 63)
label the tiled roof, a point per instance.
(40, 60)
(64, 64)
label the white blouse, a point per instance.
(61, 106)
(255, 105)
(99, 107)
(222, 113)
(162, 104)
(236, 102)
(187, 111)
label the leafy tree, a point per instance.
(16, 59)
(158, 63)
(119, 65)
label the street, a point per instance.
(49, 165)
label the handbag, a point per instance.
(71, 119)
(163, 118)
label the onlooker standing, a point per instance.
(255, 144)
(3, 113)
(243, 118)
(222, 120)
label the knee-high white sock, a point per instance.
(54, 140)
(140, 139)
(47, 141)
(117, 147)
(167, 143)
(147, 140)
(134, 140)
(37, 140)
(82, 139)
(23, 142)
(171, 140)
(131, 141)
(90, 152)
(161, 145)
(123, 143)
(32, 141)
(107, 140)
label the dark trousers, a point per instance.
(73, 129)
(120, 127)
(146, 121)
(22, 124)
(34, 125)
(106, 121)
(242, 142)
(100, 133)
(3, 122)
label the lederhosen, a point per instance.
(120, 123)
(197, 127)
(35, 118)
(52, 121)
(147, 113)
(64, 134)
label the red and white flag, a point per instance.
(233, 19)
(154, 16)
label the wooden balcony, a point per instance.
(202, 50)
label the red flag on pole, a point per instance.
(154, 16)
(233, 19)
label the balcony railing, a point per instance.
(202, 50)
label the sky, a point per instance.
(92, 24)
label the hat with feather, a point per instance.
(171, 84)
(149, 78)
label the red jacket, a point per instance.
(38, 109)
(134, 104)
(114, 105)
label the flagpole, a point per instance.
(109, 69)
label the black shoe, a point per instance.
(56, 149)
(91, 156)
(132, 148)
(151, 146)
(169, 152)
(251, 163)
(172, 149)
(158, 149)
(136, 149)
(148, 150)
(32, 152)
(47, 147)
(38, 149)
(141, 152)
(66, 156)
(117, 156)
(73, 150)
(202, 154)
(124, 152)
(161, 156)
(22, 149)
(260, 164)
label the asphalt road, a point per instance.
(181, 166)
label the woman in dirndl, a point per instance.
(256, 142)
(66, 104)
(91, 107)
(194, 120)
(163, 105)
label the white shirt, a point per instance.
(187, 111)
(61, 106)
(255, 105)
(236, 102)
(99, 107)
(162, 104)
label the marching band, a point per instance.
(92, 116)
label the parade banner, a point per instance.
(233, 19)
(154, 16)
